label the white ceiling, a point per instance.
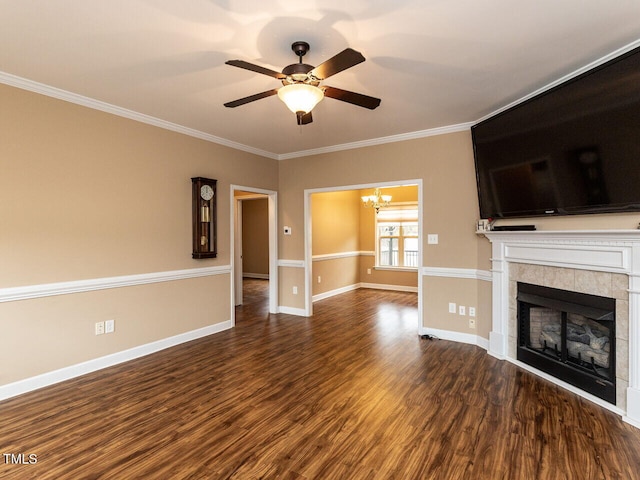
(434, 63)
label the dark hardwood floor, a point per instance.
(352, 393)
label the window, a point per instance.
(397, 236)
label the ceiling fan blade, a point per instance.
(351, 97)
(251, 98)
(255, 68)
(345, 59)
(304, 118)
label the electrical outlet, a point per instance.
(462, 310)
(99, 328)
(452, 307)
(319, 279)
(109, 326)
(368, 271)
(472, 323)
(295, 290)
(472, 311)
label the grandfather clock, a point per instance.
(204, 202)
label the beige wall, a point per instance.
(444, 164)
(255, 236)
(46, 334)
(290, 277)
(580, 222)
(440, 291)
(88, 195)
(335, 273)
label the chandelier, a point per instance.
(376, 200)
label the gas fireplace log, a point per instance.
(595, 342)
(599, 357)
(577, 349)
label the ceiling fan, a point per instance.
(301, 90)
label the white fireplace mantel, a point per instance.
(615, 251)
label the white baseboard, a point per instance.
(337, 291)
(382, 286)
(631, 421)
(300, 312)
(482, 342)
(263, 276)
(73, 371)
(457, 337)
(355, 286)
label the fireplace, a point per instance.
(569, 335)
(595, 262)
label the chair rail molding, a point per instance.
(12, 294)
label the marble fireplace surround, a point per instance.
(600, 262)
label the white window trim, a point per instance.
(395, 206)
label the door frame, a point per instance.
(236, 235)
(308, 248)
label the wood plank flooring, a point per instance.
(352, 393)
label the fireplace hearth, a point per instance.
(569, 335)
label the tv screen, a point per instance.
(573, 149)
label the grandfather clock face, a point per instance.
(206, 192)
(204, 217)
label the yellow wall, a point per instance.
(402, 194)
(335, 222)
(89, 195)
(342, 225)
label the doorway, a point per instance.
(376, 276)
(254, 240)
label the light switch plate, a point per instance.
(432, 238)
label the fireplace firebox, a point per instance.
(569, 335)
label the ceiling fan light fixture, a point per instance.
(300, 97)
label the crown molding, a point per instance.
(49, 91)
(561, 80)
(30, 85)
(41, 88)
(379, 141)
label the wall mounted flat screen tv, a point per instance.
(573, 149)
